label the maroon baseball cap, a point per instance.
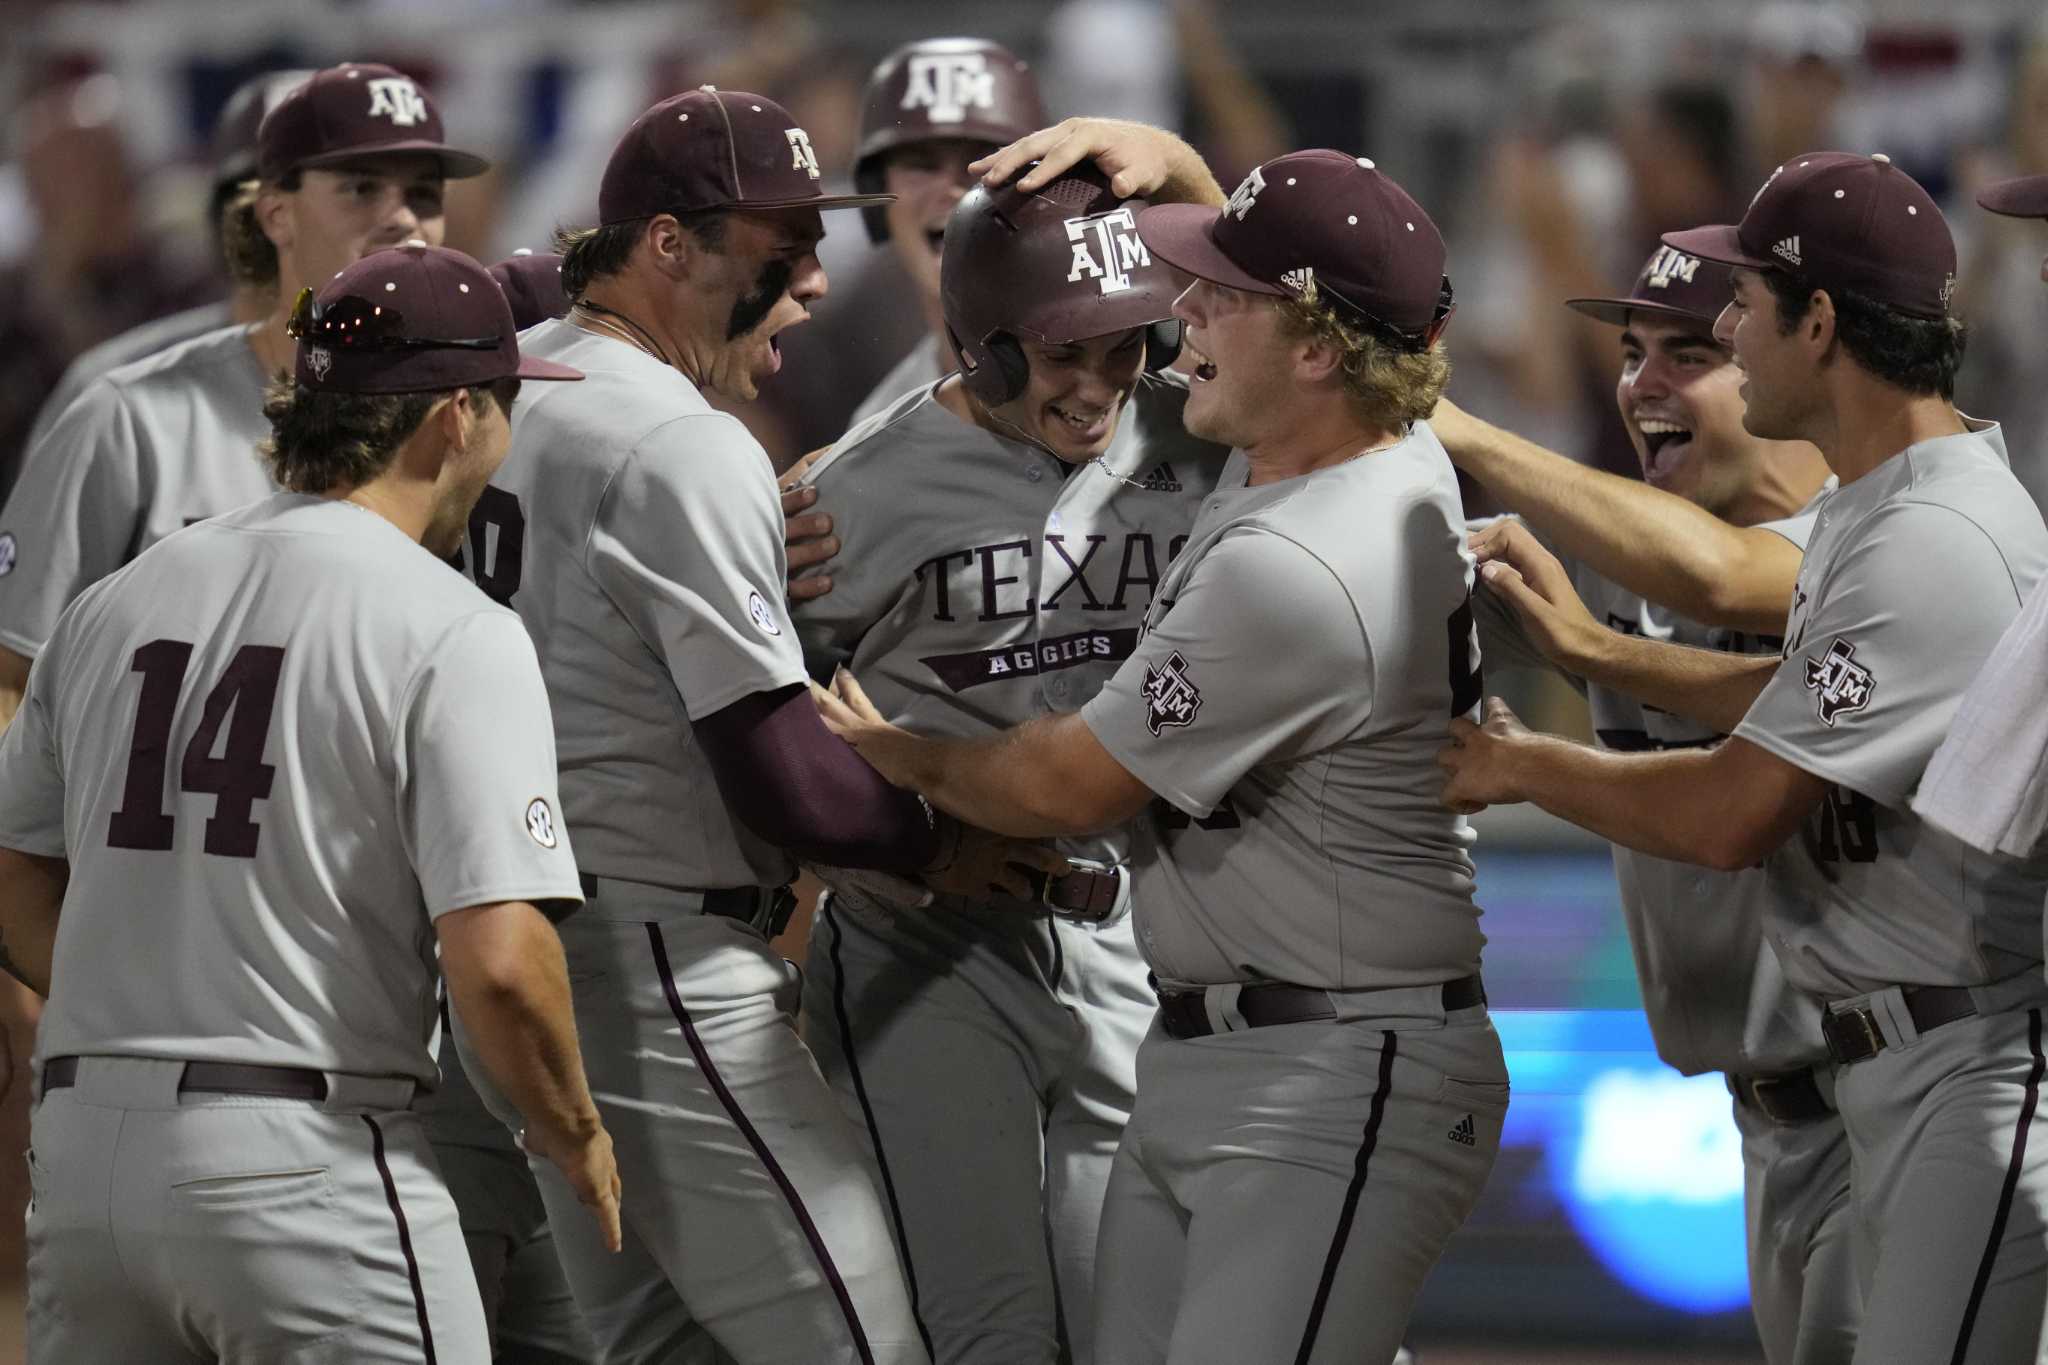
(715, 149)
(351, 111)
(234, 134)
(1672, 284)
(1842, 219)
(2024, 196)
(1323, 218)
(410, 319)
(532, 284)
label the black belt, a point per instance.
(1787, 1097)
(1853, 1035)
(216, 1078)
(1183, 1014)
(766, 908)
(1081, 894)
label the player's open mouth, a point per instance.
(935, 238)
(1086, 426)
(1200, 366)
(1665, 446)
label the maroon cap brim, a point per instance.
(455, 165)
(533, 367)
(820, 201)
(2024, 196)
(1718, 243)
(1183, 236)
(1615, 311)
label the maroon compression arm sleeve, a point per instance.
(799, 786)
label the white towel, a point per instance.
(1988, 782)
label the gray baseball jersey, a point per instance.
(983, 582)
(1988, 782)
(1301, 664)
(145, 450)
(1913, 573)
(1713, 991)
(638, 533)
(921, 367)
(135, 344)
(364, 746)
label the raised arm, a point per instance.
(1651, 542)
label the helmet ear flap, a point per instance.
(867, 179)
(1162, 344)
(996, 371)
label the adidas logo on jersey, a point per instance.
(1788, 249)
(1464, 1133)
(1160, 480)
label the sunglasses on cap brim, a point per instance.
(1418, 339)
(351, 323)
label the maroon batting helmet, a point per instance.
(1059, 264)
(967, 88)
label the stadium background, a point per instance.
(1552, 141)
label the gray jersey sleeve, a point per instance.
(688, 545)
(1871, 679)
(73, 514)
(1988, 783)
(482, 819)
(31, 781)
(1263, 655)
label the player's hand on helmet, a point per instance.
(1514, 565)
(1480, 759)
(585, 1160)
(806, 535)
(1138, 158)
(974, 862)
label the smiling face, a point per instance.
(763, 278)
(1680, 400)
(927, 179)
(1778, 384)
(1240, 361)
(1075, 393)
(340, 214)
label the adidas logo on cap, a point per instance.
(1789, 249)
(1464, 1133)
(1161, 479)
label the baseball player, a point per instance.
(239, 949)
(248, 301)
(351, 160)
(1925, 953)
(1714, 993)
(1322, 1095)
(1004, 530)
(1985, 783)
(929, 109)
(637, 533)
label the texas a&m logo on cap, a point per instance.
(398, 99)
(1670, 264)
(1106, 249)
(1245, 195)
(1838, 682)
(1170, 697)
(949, 84)
(802, 157)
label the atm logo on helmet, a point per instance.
(949, 86)
(1106, 249)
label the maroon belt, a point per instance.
(1852, 1034)
(1788, 1097)
(1184, 1014)
(216, 1078)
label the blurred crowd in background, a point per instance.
(1553, 141)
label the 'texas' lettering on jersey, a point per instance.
(990, 583)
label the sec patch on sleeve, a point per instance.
(1839, 684)
(9, 552)
(540, 822)
(762, 615)
(1171, 697)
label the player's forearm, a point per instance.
(1651, 542)
(31, 895)
(1013, 783)
(13, 684)
(1189, 179)
(510, 985)
(1703, 685)
(1663, 804)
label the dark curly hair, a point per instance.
(590, 254)
(1917, 354)
(320, 441)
